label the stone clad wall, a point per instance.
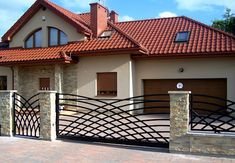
(6, 112)
(70, 80)
(221, 144)
(29, 79)
(47, 115)
(183, 140)
(179, 120)
(58, 78)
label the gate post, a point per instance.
(179, 121)
(7, 112)
(47, 115)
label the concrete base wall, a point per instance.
(221, 144)
(205, 143)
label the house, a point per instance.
(95, 55)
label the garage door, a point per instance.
(212, 87)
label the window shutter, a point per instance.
(107, 83)
(44, 84)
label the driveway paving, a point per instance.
(21, 150)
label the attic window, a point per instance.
(106, 34)
(57, 37)
(182, 36)
(34, 40)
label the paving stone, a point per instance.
(39, 151)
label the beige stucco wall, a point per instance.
(29, 79)
(83, 75)
(193, 68)
(6, 71)
(36, 22)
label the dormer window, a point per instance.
(34, 40)
(57, 37)
(182, 36)
(106, 34)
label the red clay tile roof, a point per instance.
(86, 17)
(158, 36)
(154, 37)
(39, 54)
(118, 42)
(70, 17)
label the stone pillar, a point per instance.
(6, 112)
(58, 78)
(47, 115)
(179, 121)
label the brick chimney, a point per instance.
(113, 17)
(99, 18)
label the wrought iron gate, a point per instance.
(142, 120)
(212, 114)
(26, 116)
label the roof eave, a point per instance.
(136, 51)
(187, 55)
(38, 62)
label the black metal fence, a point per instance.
(26, 116)
(212, 114)
(142, 120)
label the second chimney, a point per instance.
(99, 16)
(113, 17)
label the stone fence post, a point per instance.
(47, 115)
(6, 112)
(179, 121)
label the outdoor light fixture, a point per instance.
(181, 69)
(43, 18)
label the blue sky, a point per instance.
(202, 10)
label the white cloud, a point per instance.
(126, 18)
(10, 12)
(204, 4)
(83, 4)
(166, 14)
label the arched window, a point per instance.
(57, 37)
(34, 40)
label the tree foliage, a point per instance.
(226, 24)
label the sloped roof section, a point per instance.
(39, 54)
(118, 42)
(86, 17)
(158, 36)
(68, 16)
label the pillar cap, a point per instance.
(44, 91)
(179, 92)
(8, 91)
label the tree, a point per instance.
(227, 24)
